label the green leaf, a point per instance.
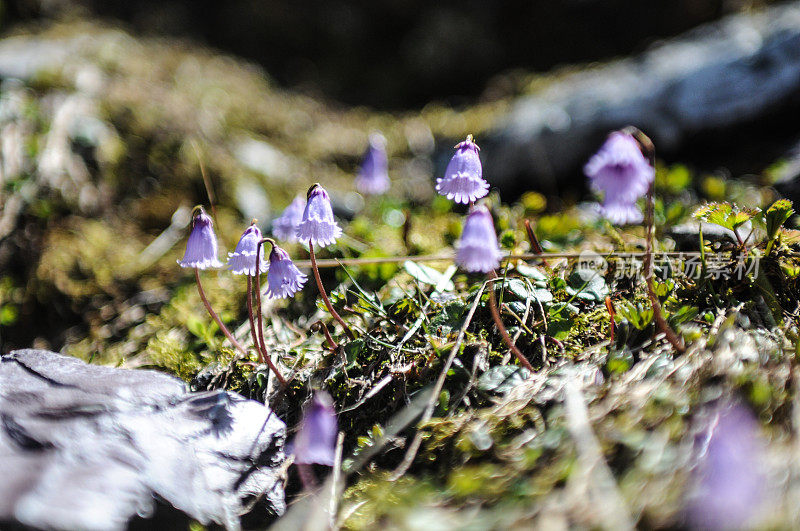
(352, 351)
(619, 361)
(777, 214)
(196, 327)
(588, 285)
(724, 215)
(637, 315)
(426, 275)
(501, 379)
(448, 319)
(531, 272)
(683, 314)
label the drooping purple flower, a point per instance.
(315, 442)
(477, 250)
(622, 173)
(242, 261)
(318, 225)
(201, 248)
(373, 178)
(729, 484)
(463, 178)
(283, 279)
(285, 227)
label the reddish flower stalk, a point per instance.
(214, 315)
(331, 343)
(502, 329)
(253, 333)
(534, 241)
(649, 151)
(263, 345)
(324, 294)
(611, 315)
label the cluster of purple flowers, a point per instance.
(619, 170)
(315, 224)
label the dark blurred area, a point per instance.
(400, 54)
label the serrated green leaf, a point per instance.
(724, 215)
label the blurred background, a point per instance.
(400, 54)
(109, 108)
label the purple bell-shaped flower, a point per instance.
(242, 261)
(201, 248)
(463, 178)
(285, 227)
(315, 442)
(622, 173)
(373, 178)
(283, 279)
(318, 225)
(730, 486)
(477, 250)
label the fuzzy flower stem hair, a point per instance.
(252, 320)
(262, 345)
(463, 178)
(649, 150)
(201, 253)
(318, 226)
(214, 315)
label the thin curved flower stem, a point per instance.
(214, 315)
(649, 151)
(307, 477)
(260, 326)
(331, 343)
(658, 315)
(324, 295)
(503, 332)
(534, 241)
(611, 314)
(253, 332)
(263, 345)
